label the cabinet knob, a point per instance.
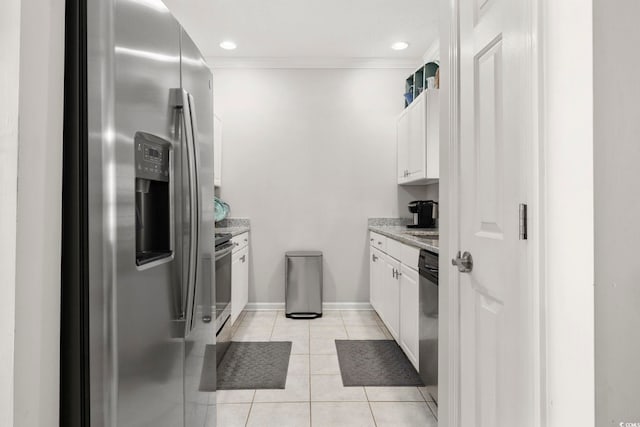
(374, 258)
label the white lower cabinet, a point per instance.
(391, 295)
(409, 313)
(239, 279)
(394, 295)
(375, 287)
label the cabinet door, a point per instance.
(403, 146)
(391, 296)
(409, 313)
(417, 136)
(243, 284)
(236, 285)
(433, 134)
(376, 274)
(373, 300)
(419, 140)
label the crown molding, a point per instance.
(311, 63)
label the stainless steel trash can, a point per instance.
(303, 284)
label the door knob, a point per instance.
(464, 262)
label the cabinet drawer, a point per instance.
(240, 241)
(378, 241)
(394, 249)
(410, 256)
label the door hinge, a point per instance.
(523, 221)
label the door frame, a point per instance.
(9, 140)
(450, 360)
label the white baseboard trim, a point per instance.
(265, 306)
(346, 306)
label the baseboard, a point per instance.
(346, 306)
(263, 306)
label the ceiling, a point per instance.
(309, 29)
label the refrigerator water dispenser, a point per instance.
(153, 199)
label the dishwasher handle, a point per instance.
(430, 274)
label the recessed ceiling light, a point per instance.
(400, 46)
(228, 45)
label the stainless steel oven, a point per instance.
(223, 252)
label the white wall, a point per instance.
(617, 211)
(432, 53)
(309, 155)
(9, 84)
(39, 214)
(567, 186)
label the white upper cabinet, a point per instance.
(418, 140)
(403, 145)
(217, 151)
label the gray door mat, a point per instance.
(375, 363)
(254, 365)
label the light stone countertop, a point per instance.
(236, 230)
(398, 232)
(234, 226)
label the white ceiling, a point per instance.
(309, 29)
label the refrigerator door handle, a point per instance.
(196, 203)
(184, 102)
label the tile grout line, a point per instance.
(431, 410)
(373, 417)
(253, 398)
(273, 327)
(246, 424)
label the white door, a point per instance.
(496, 313)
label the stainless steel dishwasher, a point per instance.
(428, 354)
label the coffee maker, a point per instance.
(425, 213)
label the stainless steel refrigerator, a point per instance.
(138, 341)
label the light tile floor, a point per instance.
(314, 395)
